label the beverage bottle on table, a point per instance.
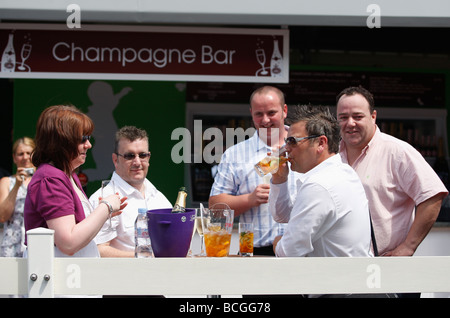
(180, 204)
(143, 248)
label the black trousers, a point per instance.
(265, 250)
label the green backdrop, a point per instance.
(157, 107)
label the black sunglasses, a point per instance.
(292, 141)
(85, 138)
(131, 156)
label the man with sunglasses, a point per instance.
(238, 185)
(131, 160)
(330, 214)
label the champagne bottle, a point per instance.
(276, 62)
(9, 56)
(180, 204)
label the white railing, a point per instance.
(43, 275)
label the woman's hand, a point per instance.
(117, 203)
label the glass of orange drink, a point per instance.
(271, 162)
(246, 239)
(217, 233)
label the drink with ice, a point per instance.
(271, 163)
(217, 242)
(217, 233)
(246, 243)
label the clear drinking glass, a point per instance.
(271, 163)
(217, 233)
(246, 239)
(201, 223)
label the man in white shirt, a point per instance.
(330, 215)
(131, 160)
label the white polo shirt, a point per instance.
(122, 235)
(330, 216)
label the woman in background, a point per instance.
(55, 197)
(13, 190)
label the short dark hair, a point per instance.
(130, 133)
(361, 91)
(319, 121)
(59, 132)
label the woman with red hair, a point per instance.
(55, 197)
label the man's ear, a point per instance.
(114, 159)
(322, 144)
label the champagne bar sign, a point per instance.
(144, 53)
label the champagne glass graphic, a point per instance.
(25, 54)
(261, 57)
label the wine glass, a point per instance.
(261, 57)
(190, 254)
(108, 188)
(201, 222)
(25, 54)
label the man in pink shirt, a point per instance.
(404, 192)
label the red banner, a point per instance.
(145, 53)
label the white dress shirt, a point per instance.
(330, 216)
(122, 235)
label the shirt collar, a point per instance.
(324, 164)
(260, 144)
(375, 137)
(343, 148)
(372, 141)
(128, 189)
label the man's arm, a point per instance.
(106, 250)
(426, 214)
(244, 202)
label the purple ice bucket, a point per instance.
(170, 233)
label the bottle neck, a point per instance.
(181, 200)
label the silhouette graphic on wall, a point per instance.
(101, 111)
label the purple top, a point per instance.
(51, 195)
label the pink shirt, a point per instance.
(396, 178)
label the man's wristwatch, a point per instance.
(111, 210)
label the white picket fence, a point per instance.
(43, 275)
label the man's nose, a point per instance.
(136, 160)
(265, 119)
(351, 121)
